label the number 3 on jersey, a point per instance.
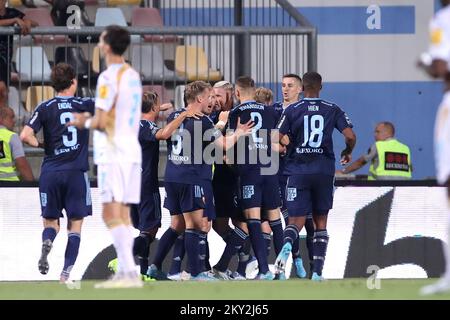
(313, 138)
(64, 118)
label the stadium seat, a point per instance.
(149, 62)
(37, 94)
(108, 16)
(98, 64)
(32, 64)
(44, 19)
(191, 62)
(15, 3)
(150, 17)
(74, 56)
(15, 103)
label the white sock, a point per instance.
(123, 243)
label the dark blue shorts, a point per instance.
(226, 197)
(182, 198)
(210, 210)
(69, 190)
(308, 193)
(259, 191)
(147, 214)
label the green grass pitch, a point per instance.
(224, 290)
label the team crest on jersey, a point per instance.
(291, 194)
(248, 192)
(103, 92)
(436, 36)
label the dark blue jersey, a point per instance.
(150, 156)
(278, 107)
(257, 149)
(66, 148)
(310, 124)
(185, 159)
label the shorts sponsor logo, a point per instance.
(43, 199)
(248, 192)
(291, 194)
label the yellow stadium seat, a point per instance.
(96, 60)
(15, 3)
(37, 94)
(191, 62)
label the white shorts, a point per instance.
(120, 182)
(442, 140)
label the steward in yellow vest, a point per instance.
(389, 159)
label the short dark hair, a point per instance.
(245, 82)
(390, 126)
(195, 89)
(293, 75)
(149, 100)
(62, 76)
(312, 80)
(117, 38)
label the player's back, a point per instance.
(185, 161)
(258, 144)
(66, 148)
(119, 93)
(310, 124)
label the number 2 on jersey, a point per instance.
(313, 138)
(257, 120)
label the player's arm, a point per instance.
(434, 61)
(242, 129)
(24, 169)
(173, 125)
(21, 163)
(223, 119)
(27, 136)
(350, 142)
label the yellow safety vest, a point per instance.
(7, 167)
(394, 160)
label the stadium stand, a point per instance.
(191, 62)
(37, 94)
(32, 64)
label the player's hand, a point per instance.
(223, 116)
(339, 173)
(166, 106)
(79, 119)
(244, 129)
(24, 30)
(346, 158)
(193, 114)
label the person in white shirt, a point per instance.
(117, 151)
(437, 64)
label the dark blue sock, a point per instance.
(204, 254)
(320, 250)
(192, 244)
(309, 226)
(141, 249)
(234, 242)
(277, 230)
(259, 248)
(165, 243)
(49, 233)
(207, 263)
(178, 255)
(285, 217)
(244, 256)
(71, 254)
(296, 249)
(290, 234)
(268, 241)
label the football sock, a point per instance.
(70, 256)
(165, 244)
(234, 242)
(178, 255)
(277, 231)
(192, 245)
(320, 249)
(259, 248)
